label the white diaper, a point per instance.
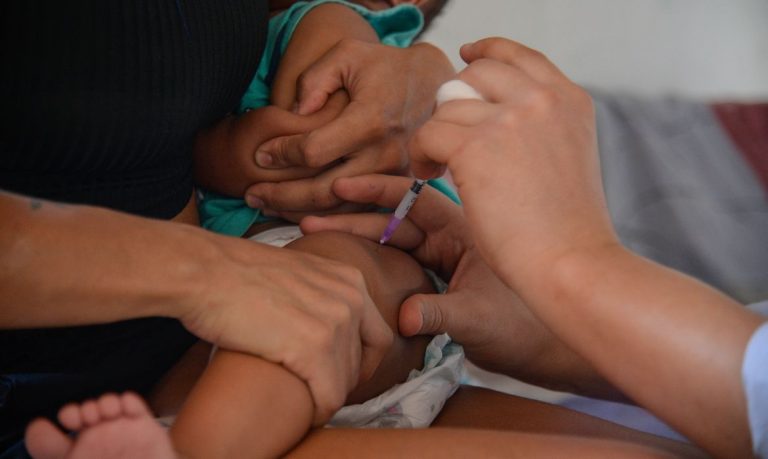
(417, 401)
(278, 237)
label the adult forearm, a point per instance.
(671, 343)
(73, 265)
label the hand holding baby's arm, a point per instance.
(225, 153)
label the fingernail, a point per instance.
(263, 159)
(253, 201)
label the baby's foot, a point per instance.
(114, 426)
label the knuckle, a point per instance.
(265, 192)
(496, 45)
(543, 98)
(349, 45)
(313, 152)
(435, 320)
(345, 44)
(532, 54)
(476, 69)
(355, 285)
(354, 276)
(352, 299)
(303, 81)
(342, 315)
(582, 98)
(278, 152)
(319, 336)
(509, 118)
(323, 198)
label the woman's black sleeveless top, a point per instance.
(101, 99)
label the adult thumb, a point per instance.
(424, 314)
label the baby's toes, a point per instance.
(89, 410)
(109, 406)
(70, 416)
(46, 441)
(133, 405)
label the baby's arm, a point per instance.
(246, 406)
(319, 31)
(225, 153)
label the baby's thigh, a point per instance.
(391, 276)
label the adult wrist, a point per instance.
(198, 276)
(550, 270)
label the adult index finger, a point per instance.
(510, 52)
(369, 226)
(431, 211)
(356, 127)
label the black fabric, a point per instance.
(101, 99)
(41, 370)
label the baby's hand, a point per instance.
(226, 154)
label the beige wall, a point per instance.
(701, 48)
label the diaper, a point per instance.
(414, 403)
(278, 237)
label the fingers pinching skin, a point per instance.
(391, 93)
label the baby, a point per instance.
(243, 405)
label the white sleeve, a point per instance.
(754, 375)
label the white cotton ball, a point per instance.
(454, 90)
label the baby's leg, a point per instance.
(242, 406)
(391, 276)
(245, 405)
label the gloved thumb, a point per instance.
(425, 314)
